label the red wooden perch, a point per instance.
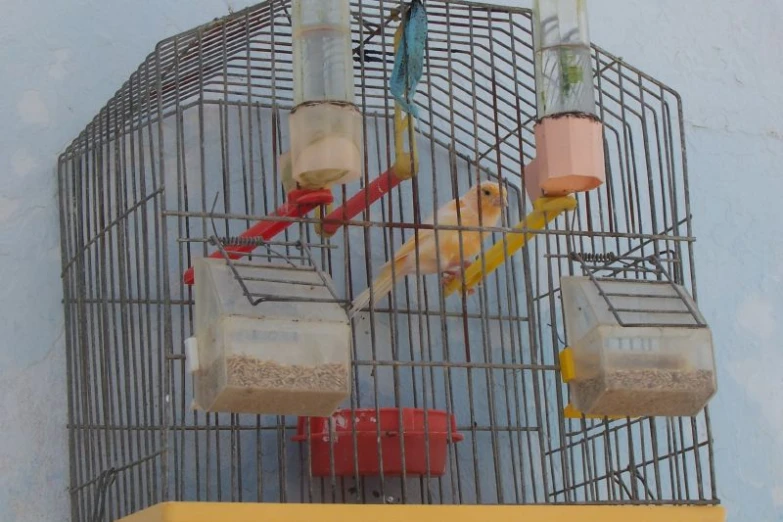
(300, 203)
(360, 201)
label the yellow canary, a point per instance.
(488, 196)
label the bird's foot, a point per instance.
(450, 276)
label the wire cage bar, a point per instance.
(206, 113)
(651, 272)
(247, 276)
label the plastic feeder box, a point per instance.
(278, 357)
(659, 364)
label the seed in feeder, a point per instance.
(256, 385)
(243, 370)
(646, 392)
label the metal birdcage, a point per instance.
(205, 115)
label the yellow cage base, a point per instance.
(253, 512)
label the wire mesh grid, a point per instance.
(206, 113)
(251, 276)
(659, 295)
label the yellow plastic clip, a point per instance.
(287, 178)
(318, 227)
(567, 365)
(570, 412)
(406, 162)
(545, 209)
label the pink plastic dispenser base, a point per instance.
(569, 156)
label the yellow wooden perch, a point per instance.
(545, 209)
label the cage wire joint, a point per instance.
(545, 209)
(105, 480)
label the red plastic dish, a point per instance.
(338, 438)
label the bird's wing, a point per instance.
(447, 216)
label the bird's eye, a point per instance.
(487, 192)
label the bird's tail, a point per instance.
(382, 285)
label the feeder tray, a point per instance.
(270, 338)
(380, 436)
(638, 347)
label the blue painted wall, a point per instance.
(60, 61)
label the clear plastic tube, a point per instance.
(322, 53)
(325, 124)
(564, 73)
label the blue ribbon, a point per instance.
(409, 61)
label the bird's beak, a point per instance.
(500, 201)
